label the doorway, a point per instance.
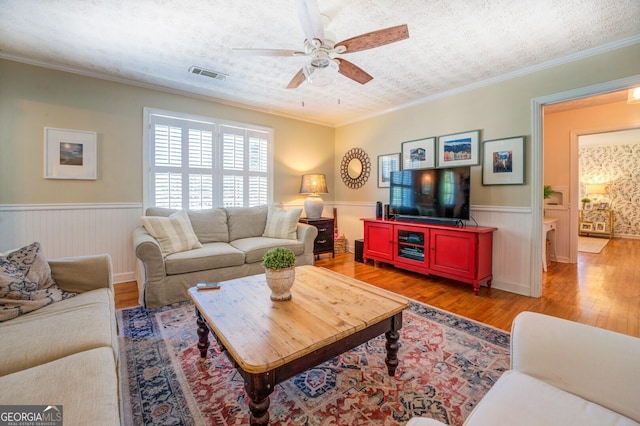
(609, 197)
(540, 152)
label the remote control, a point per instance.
(208, 286)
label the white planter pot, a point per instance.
(280, 282)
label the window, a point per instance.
(199, 163)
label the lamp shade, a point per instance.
(313, 184)
(596, 188)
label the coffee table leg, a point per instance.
(392, 347)
(259, 387)
(259, 412)
(203, 336)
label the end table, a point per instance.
(324, 241)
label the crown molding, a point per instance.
(504, 77)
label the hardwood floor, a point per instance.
(601, 289)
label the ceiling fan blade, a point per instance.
(267, 52)
(310, 19)
(297, 80)
(354, 72)
(375, 39)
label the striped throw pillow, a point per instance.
(173, 233)
(282, 223)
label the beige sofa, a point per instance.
(562, 373)
(232, 247)
(66, 353)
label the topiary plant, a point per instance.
(279, 258)
(586, 200)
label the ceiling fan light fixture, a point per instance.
(321, 71)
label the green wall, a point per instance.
(32, 98)
(501, 109)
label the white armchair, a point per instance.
(562, 373)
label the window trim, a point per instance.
(146, 146)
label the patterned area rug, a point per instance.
(447, 364)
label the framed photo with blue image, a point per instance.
(459, 149)
(419, 154)
(503, 161)
(70, 154)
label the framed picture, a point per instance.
(586, 226)
(419, 154)
(603, 206)
(386, 164)
(459, 149)
(587, 206)
(503, 161)
(69, 154)
(600, 226)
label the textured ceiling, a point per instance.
(453, 43)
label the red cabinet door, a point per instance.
(453, 253)
(378, 241)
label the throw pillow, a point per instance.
(246, 222)
(26, 283)
(210, 225)
(173, 233)
(282, 223)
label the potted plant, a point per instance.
(547, 191)
(584, 201)
(280, 272)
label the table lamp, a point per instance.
(596, 189)
(313, 184)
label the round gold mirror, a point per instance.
(355, 168)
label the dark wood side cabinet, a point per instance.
(324, 240)
(462, 254)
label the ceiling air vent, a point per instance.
(208, 73)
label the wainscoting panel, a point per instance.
(75, 230)
(511, 246)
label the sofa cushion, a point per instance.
(209, 256)
(282, 223)
(160, 211)
(173, 233)
(26, 283)
(245, 222)
(85, 384)
(254, 248)
(83, 322)
(518, 398)
(210, 225)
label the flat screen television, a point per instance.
(435, 193)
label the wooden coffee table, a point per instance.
(269, 342)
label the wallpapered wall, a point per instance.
(617, 165)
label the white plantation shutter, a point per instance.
(245, 166)
(168, 190)
(197, 163)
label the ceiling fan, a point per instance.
(323, 50)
